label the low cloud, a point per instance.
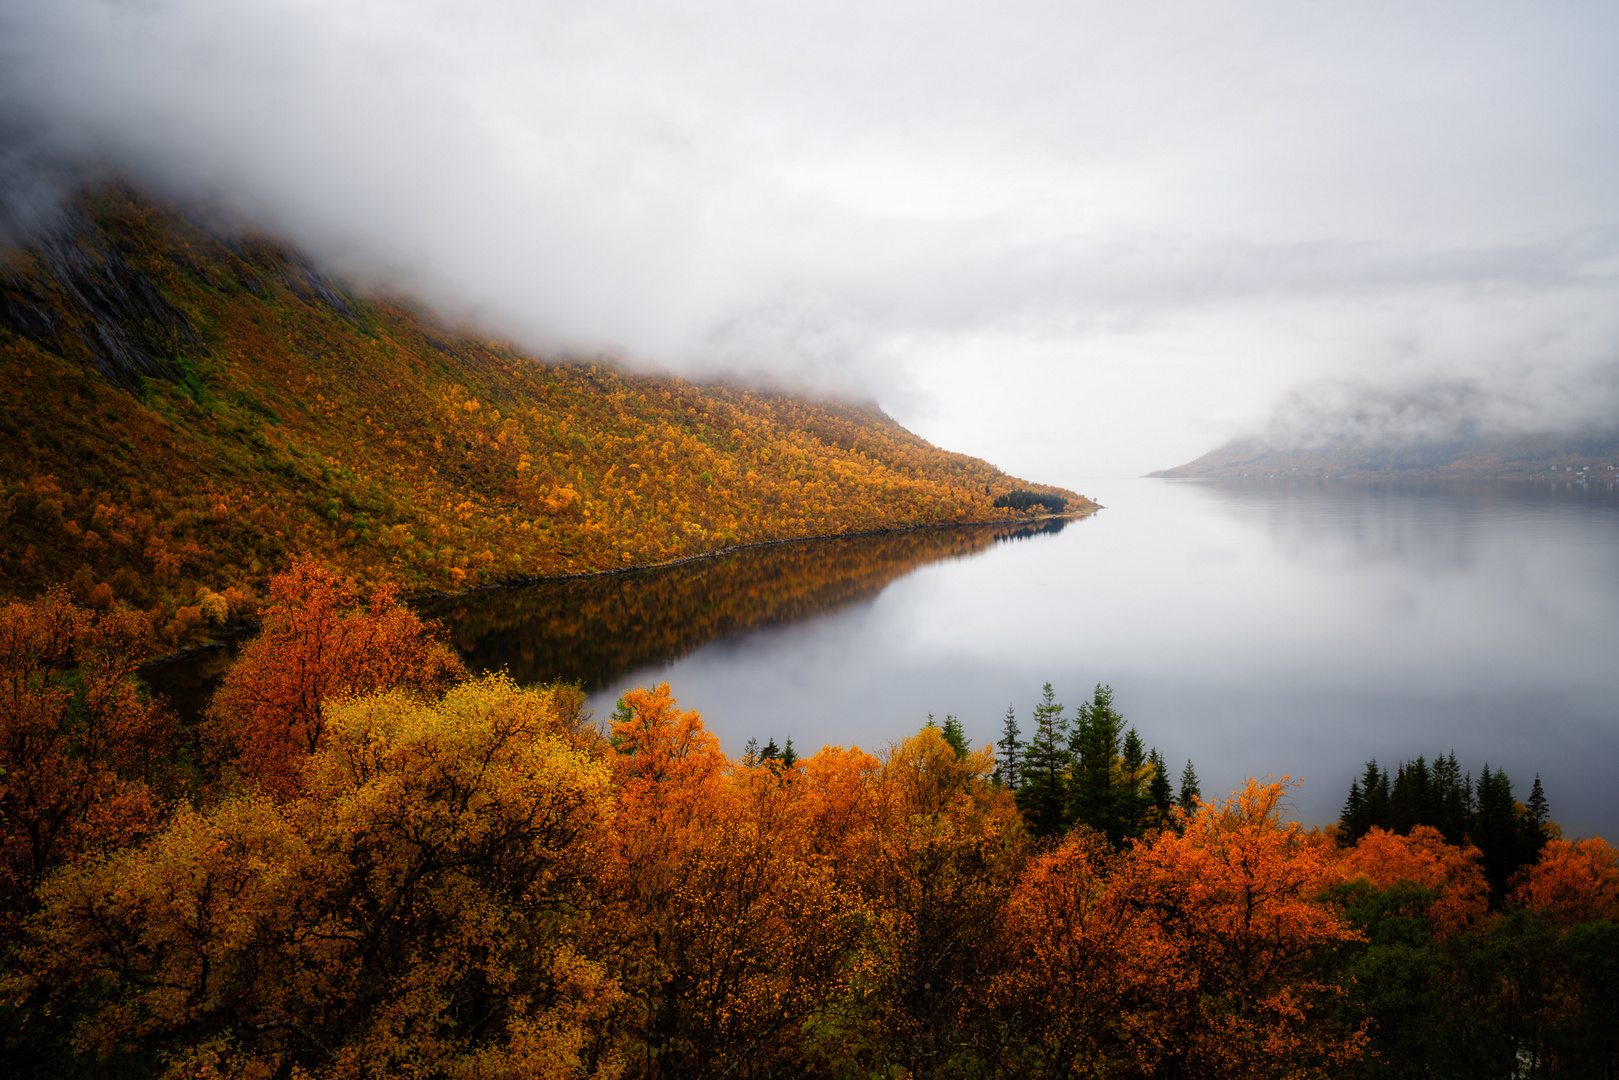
(1189, 214)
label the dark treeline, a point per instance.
(1090, 772)
(1508, 835)
(1027, 500)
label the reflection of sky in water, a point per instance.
(1263, 629)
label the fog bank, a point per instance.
(1076, 239)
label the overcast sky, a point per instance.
(1077, 239)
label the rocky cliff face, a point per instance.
(82, 294)
(75, 292)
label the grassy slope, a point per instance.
(286, 417)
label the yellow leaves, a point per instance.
(351, 928)
(567, 1041)
(928, 775)
(203, 899)
(316, 644)
(214, 607)
(486, 764)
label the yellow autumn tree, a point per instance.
(407, 913)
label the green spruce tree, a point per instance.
(1009, 763)
(1133, 801)
(1160, 793)
(1043, 796)
(1096, 796)
(1352, 819)
(1536, 818)
(1452, 798)
(1190, 792)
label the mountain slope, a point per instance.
(1506, 457)
(181, 412)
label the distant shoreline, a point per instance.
(1422, 476)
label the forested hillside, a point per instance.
(181, 412)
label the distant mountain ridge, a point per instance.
(1502, 457)
(182, 412)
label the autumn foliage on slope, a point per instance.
(454, 877)
(179, 412)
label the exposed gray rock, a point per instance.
(74, 288)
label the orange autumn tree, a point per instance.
(931, 850)
(726, 930)
(80, 747)
(1188, 954)
(666, 759)
(1080, 962)
(1424, 858)
(1235, 897)
(318, 643)
(1575, 881)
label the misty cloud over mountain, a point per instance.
(1074, 239)
(1349, 414)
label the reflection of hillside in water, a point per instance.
(1435, 527)
(595, 630)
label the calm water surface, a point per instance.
(1257, 629)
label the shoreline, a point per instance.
(515, 583)
(238, 630)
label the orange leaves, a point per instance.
(1078, 956)
(78, 745)
(463, 880)
(1423, 858)
(316, 645)
(728, 922)
(666, 756)
(1574, 881)
(1247, 882)
(834, 806)
(930, 852)
(1235, 918)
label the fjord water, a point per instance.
(1261, 628)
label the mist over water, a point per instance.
(1257, 629)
